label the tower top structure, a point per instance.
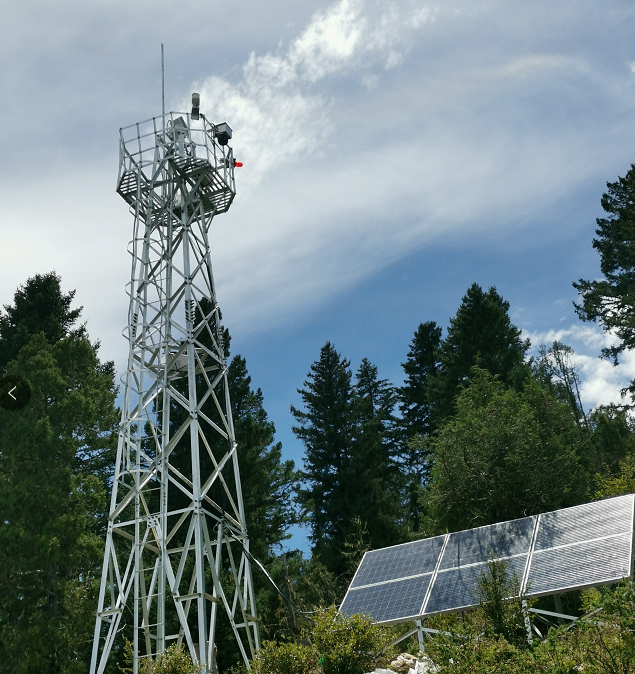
(196, 150)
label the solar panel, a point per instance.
(567, 549)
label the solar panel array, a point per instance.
(590, 544)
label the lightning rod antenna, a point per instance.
(162, 83)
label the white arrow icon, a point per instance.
(11, 391)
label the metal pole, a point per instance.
(162, 85)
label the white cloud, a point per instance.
(279, 113)
(602, 382)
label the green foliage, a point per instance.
(332, 644)
(481, 333)
(347, 645)
(175, 660)
(611, 300)
(610, 441)
(326, 429)
(416, 405)
(501, 603)
(505, 454)
(554, 367)
(422, 364)
(618, 484)
(54, 458)
(372, 485)
(268, 481)
(306, 582)
(285, 658)
(38, 306)
(349, 471)
(602, 643)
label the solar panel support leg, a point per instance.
(530, 638)
(420, 634)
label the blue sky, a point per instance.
(395, 152)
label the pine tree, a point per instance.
(417, 415)
(480, 333)
(611, 300)
(373, 484)
(422, 364)
(53, 455)
(38, 306)
(326, 427)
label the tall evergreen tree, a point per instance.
(373, 485)
(422, 364)
(38, 306)
(480, 333)
(326, 427)
(53, 481)
(611, 300)
(416, 403)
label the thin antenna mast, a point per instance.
(162, 84)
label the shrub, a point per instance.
(174, 660)
(347, 645)
(285, 658)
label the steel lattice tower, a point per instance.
(176, 556)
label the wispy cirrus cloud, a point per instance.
(278, 104)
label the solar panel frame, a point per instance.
(597, 537)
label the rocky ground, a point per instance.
(407, 663)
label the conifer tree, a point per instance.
(611, 300)
(326, 428)
(417, 415)
(481, 333)
(373, 486)
(53, 478)
(422, 364)
(267, 480)
(38, 306)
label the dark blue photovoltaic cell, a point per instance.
(589, 563)
(390, 601)
(400, 561)
(480, 545)
(457, 588)
(584, 522)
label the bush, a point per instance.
(498, 595)
(285, 658)
(347, 645)
(339, 645)
(174, 660)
